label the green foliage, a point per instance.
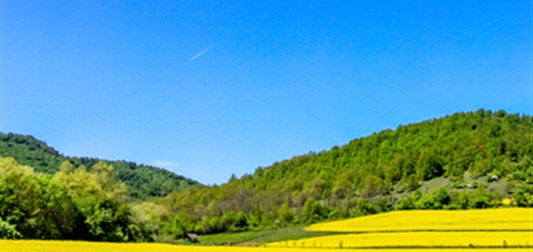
(8, 231)
(142, 181)
(241, 220)
(37, 206)
(378, 173)
(429, 165)
(153, 219)
(30, 152)
(392, 169)
(286, 216)
(314, 211)
(524, 196)
(110, 221)
(364, 208)
(75, 204)
(442, 198)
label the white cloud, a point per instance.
(165, 164)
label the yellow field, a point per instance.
(490, 227)
(424, 220)
(414, 239)
(68, 246)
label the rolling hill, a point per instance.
(460, 161)
(467, 160)
(143, 181)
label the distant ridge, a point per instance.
(143, 181)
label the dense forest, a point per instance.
(461, 161)
(142, 181)
(477, 158)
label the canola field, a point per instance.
(414, 239)
(504, 227)
(69, 246)
(493, 230)
(501, 219)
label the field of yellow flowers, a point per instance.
(414, 239)
(501, 219)
(505, 230)
(64, 246)
(504, 227)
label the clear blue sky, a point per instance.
(211, 88)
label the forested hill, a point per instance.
(463, 160)
(142, 181)
(467, 160)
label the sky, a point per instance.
(208, 89)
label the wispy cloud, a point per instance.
(165, 164)
(201, 53)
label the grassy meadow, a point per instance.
(260, 236)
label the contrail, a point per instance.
(201, 53)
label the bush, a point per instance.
(523, 197)
(8, 231)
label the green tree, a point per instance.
(286, 216)
(108, 180)
(8, 231)
(241, 220)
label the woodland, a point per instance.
(466, 160)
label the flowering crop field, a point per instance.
(502, 219)
(64, 246)
(414, 239)
(399, 231)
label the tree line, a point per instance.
(381, 172)
(142, 181)
(73, 204)
(389, 170)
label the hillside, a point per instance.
(460, 161)
(142, 181)
(470, 160)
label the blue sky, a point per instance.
(211, 88)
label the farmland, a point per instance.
(414, 240)
(266, 125)
(502, 219)
(505, 229)
(473, 160)
(67, 246)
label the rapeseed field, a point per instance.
(414, 239)
(502, 219)
(70, 246)
(451, 231)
